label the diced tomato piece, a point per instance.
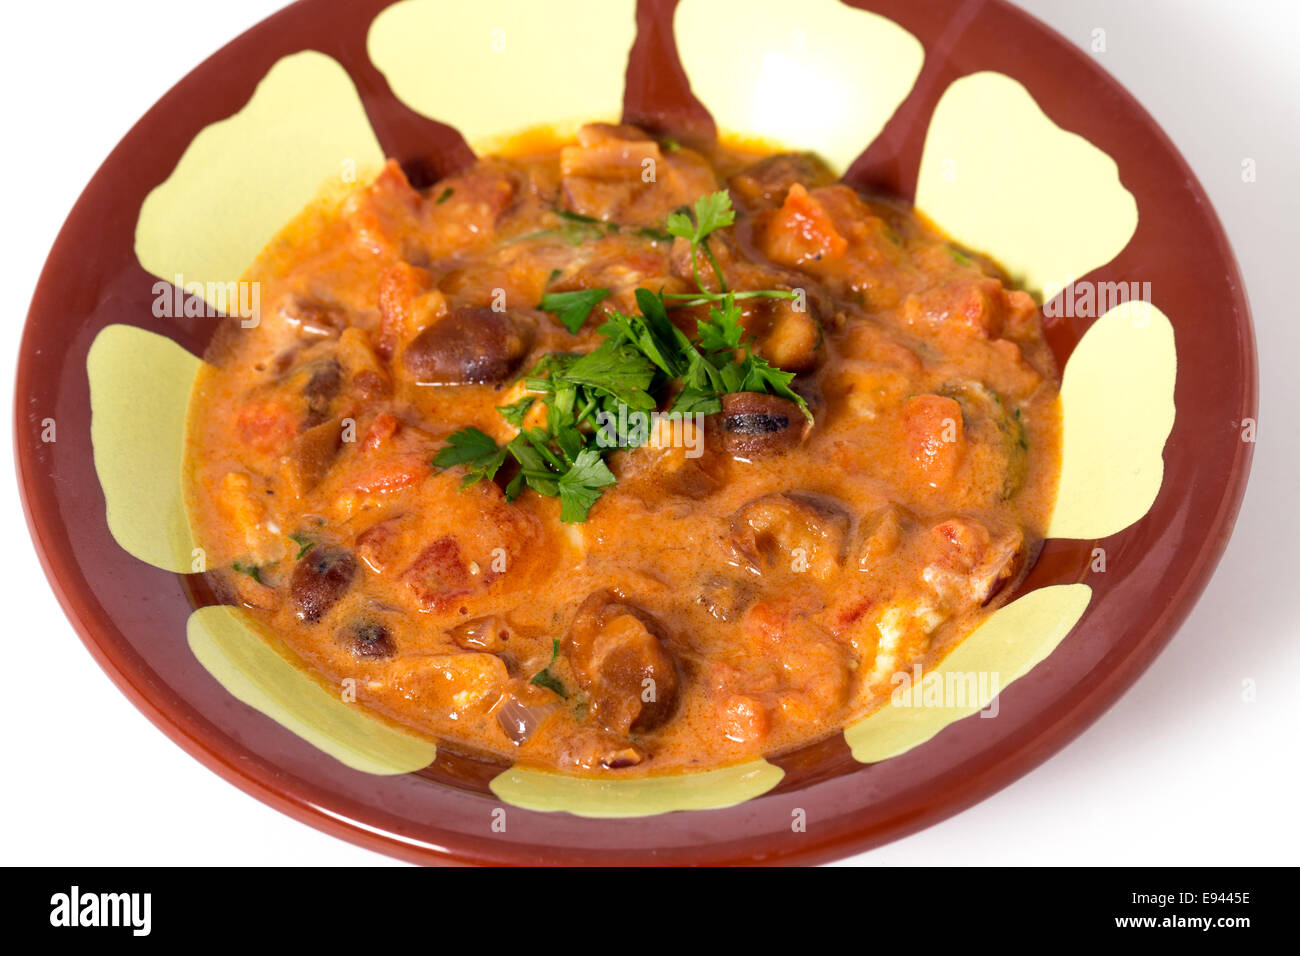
(377, 546)
(933, 435)
(438, 574)
(266, 426)
(391, 474)
(398, 288)
(801, 231)
(384, 427)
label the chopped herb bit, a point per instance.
(550, 682)
(670, 145)
(581, 485)
(618, 370)
(712, 212)
(544, 677)
(575, 229)
(474, 449)
(304, 544)
(722, 329)
(514, 413)
(572, 308)
(444, 196)
(252, 570)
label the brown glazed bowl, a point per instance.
(889, 131)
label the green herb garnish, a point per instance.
(444, 196)
(642, 356)
(474, 449)
(252, 570)
(712, 212)
(544, 677)
(572, 308)
(514, 412)
(304, 544)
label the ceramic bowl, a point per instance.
(1011, 139)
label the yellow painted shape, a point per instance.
(1002, 649)
(816, 75)
(999, 176)
(243, 178)
(493, 67)
(636, 796)
(1117, 402)
(248, 667)
(140, 386)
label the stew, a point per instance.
(623, 456)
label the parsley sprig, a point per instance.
(712, 212)
(642, 358)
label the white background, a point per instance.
(1181, 771)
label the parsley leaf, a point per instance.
(572, 308)
(544, 677)
(581, 485)
(722, 330)
(474, 449)
(514, 412)
(652, 334)
(712, 212)
(619, 370)
(534, 469)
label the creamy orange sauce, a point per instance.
(711, 608)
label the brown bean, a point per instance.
(470, 345)
(754, 425)
(370, 639)
(623, 665)
(726, 598)
(325, 382)
(322, 577)
(790, 534)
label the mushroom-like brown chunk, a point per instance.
(622, 664)
(470, 345)
(766, 182)
(619, 174)
(754, 425)
(778, 534)
(322, 577)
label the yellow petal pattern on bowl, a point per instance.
(494, 67)
(816, 75)
(140, 386)
(1002, 649)
(636, 797)
(999, 176)
(243, 178)
(1118, 410)
(243, 662)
